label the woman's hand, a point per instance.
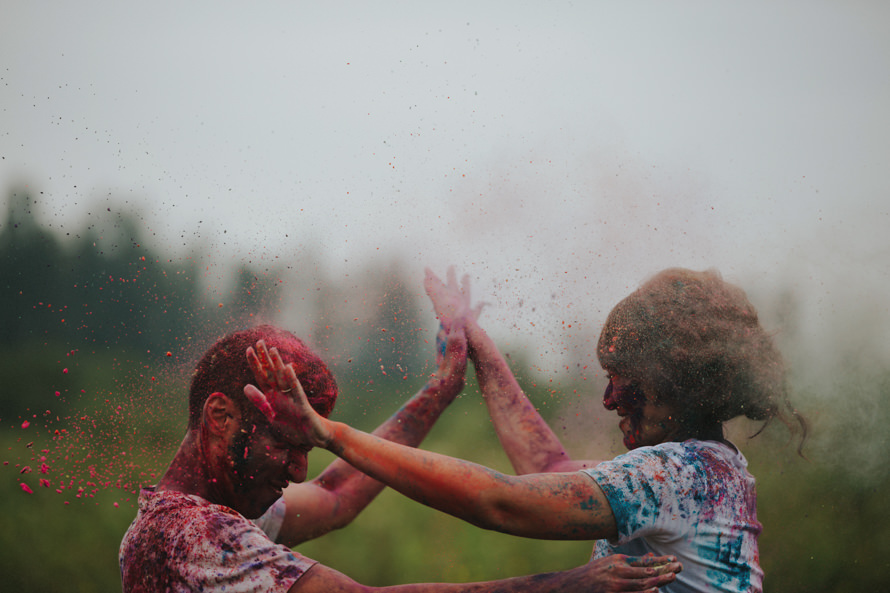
(282, 401)
(451, 300)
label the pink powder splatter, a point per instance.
(26, 424)
(26, 488)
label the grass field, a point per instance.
(825, 523)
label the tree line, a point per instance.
(101, 290)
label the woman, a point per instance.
(685, 353)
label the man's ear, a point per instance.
(220, 413)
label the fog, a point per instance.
(559, 153)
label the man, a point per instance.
(193, 533)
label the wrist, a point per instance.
(476, 337)
(329, 434)
(444, 387)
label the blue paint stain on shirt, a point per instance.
(694, 500)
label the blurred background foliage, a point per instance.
(97, 335)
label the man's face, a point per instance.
(262, 465)
(644, 421)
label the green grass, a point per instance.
(825, 521)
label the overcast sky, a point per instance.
(560, 152)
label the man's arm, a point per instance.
(334, 498)
(528, 441)
(606, 575)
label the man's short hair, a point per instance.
(224, 368)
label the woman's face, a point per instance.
(644, 420)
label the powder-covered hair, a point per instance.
(697, 342)
(224, 368)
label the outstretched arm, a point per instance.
(565, 506)
(606, 575)
(337, 495)
(544, 506)
(530, 444)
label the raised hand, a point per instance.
(451, 300)
(282, 400)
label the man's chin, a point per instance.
(260, 503)
(256, 511)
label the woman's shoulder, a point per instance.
(686, 454)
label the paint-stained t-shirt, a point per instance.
(694, 500)
(180, 542)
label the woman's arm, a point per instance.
(527, 439)
(334, 498)
(545, 506)
(530, 444)
(566, 506)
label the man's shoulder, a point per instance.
(183, 514)
(152, 501)
(185, 538)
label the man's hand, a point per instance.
(451, 300)
(282, 400)
(631, 573)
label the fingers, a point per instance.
(270, 371)
(282, 380)
(431, 282)
(477, 310)
(256, 365)
(263, 354)
(258, 399)
(294, 386)
(647, 573)
(635, 573)
(651, 560)
(657, 565)
(451, 299)
(465, 289)
(451, 277)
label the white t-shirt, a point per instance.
(694, 500)
(272, 520)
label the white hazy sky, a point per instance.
(558, 151)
